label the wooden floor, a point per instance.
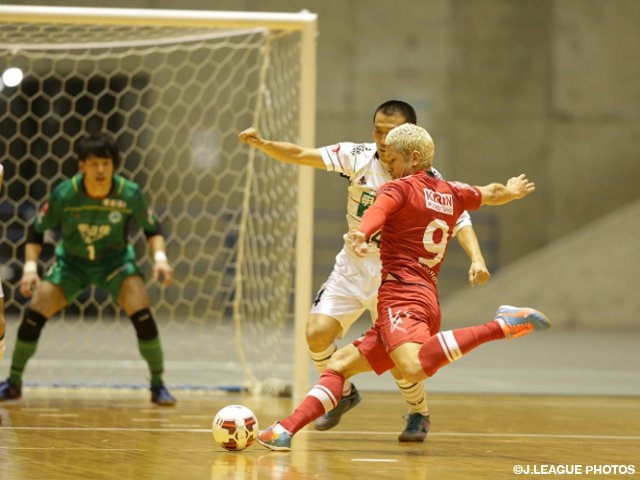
(114, 434)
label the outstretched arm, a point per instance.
(283, 151)
(499, 194)
(492, 194)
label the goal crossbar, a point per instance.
(151, 17)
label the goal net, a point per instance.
(174, 88)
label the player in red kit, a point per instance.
(415, 214)
(352, 286)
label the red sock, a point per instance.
(446, 347)
(322, 397)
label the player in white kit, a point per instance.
(353, 284)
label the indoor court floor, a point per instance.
(562, 404)
(76, 434)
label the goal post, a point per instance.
(174, 87)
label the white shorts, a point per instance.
(352, 288)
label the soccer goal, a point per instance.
(174, 87)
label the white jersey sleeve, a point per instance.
(464, 220)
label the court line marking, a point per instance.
(382, 460)
(343, 432)
(59, 415)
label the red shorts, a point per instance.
(406, 313)
(372, 348)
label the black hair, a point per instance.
(398, 107)
(98, 145)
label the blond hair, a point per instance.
(407, 138)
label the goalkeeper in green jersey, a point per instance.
(92, 210)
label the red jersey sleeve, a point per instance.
(376, 214)
(470, 195)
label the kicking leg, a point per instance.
(322, 398)
(322, 332)
(448, 346)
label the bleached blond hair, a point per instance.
(408, 137)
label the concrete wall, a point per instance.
(573, 280)
(546, 87)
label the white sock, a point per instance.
(320, 359)
(415, 396)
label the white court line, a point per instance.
(101, 449)
(347, 432)
(105, 429)
(39, 410)
(58, 415)
(383, 460)
(157, 420)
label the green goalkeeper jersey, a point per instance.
(95, 228)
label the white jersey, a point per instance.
(361, 165)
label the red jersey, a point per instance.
(417, 215)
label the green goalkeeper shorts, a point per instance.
(74, 274)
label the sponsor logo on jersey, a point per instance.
(461, 185)
(427, 265)
(115, 217)
(358, 149)
(114, 203)
(92, 233)
(43, 211)
(366, 200)
(439, 202)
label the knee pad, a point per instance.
(31, 326)
(144, 324)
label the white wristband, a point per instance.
(30, 266)
(160, 256)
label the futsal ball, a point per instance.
(235, 427)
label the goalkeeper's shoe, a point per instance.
(9, 391)
(332, 417)
(161, 396)
(518, 322)
(280, 440)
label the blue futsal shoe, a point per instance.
(275, 441)
(518, 322)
